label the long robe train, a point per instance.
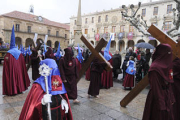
(15, 77)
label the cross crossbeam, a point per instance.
(95, 53)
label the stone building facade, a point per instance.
(26, 25)
(110, 22)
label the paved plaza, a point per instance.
(106, 107)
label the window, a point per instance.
(167, 25)
(169, 9)
(57, 33)
(105, 29)
(17, 27)
(131, 28)
(143, 12)
(49, 31)
(86, 31)
(97, 30)
(29, 29)
(86, 20)
(92, 19)
(155, 12)
(65, 36)
(113, 29)
(99, 19)
(106, 19)
(74, 22)
(122, 28)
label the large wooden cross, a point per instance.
(162, 38)
(95, 53)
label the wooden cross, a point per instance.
(162, 38)
(95, 53)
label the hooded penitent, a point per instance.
(15, 77)
(13, 49)
(49, 53)
(162, 61)
(33, 108)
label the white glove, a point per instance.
(46, 99)
(64, 105)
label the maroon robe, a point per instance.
(160, 100)
(78, 64)
(95, 77)
(35, 64)
(128, 80)
(176, 87)
(68, 71)
(15, 77)
(107, 79)
(88, 74)
(27, 58)
(32, 109)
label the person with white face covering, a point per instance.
(35, 106)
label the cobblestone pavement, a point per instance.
(106, 107)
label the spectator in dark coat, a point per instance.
(116, 63)
(131, 53)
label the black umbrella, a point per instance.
(144, 45)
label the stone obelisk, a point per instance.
(78, 30)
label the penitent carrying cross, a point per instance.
(163, 38)
(95, 53)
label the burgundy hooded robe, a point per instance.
(160, 100)
(15, 76)
(107, 79)
(35, 64)
(176, 87)
(68, 70)
(95, 77)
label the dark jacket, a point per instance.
(116, 61)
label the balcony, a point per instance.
(26, 32)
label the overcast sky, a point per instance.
(62, 10)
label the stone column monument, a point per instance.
(78, 30)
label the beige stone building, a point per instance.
(26, 25)
(110, 22)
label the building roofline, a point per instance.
(116, 9)
(62, 26)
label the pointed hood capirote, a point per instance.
(58, 53)
(107, 56)
(12, 43)
(13, 49)
(162, 61)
